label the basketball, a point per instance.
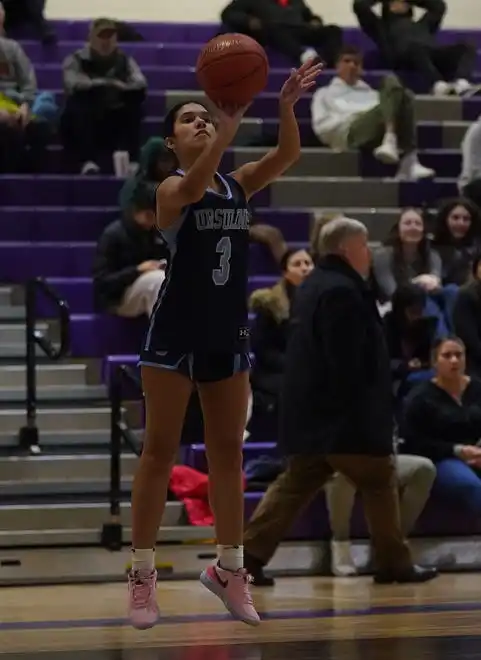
(232, 69)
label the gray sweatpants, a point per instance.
(415, 475)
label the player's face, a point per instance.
(298, 267)
(194, 127)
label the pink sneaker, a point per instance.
(143, 609)
(233, 590)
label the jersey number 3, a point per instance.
(221, 274)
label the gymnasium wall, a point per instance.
(461, 13)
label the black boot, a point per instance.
(413, 574)
(256, 569)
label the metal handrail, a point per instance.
(29, 434)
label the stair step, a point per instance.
(12, 312)
(87, 516)
(5, 296)
(14, 333)
(16, 351)
(48, 468)
(91, 537)
(56, 394)
(65, 440)
(57, 419)
(57, 374)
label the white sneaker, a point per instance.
(90, 168)
(441, 88)
(462, 86)
(387, 153)
(341, 559)
(412, 170)
(309, 54)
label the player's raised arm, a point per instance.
(257, 175)
(177, 192)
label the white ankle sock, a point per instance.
(230, 557)
(143, 560)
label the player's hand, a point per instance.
(228, 121)
(147, 266)
(300, 81)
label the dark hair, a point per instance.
(394, 240)
(442, 340)
(143, 196)
(406, 296)
(475, 264)
(349, 49)
(442, 235)
(171, 116)
(284, 261)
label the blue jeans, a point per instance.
(457, 482)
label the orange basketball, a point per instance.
(232, 69)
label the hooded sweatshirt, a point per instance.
(334, 108)
(17, 76)
(148, 158)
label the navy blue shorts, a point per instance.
(198, 367)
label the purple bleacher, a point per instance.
(97, 335)
(49, 76)
(21, 261)
(164, 54)
(50, 223)
(78, 293)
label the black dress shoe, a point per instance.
(413, 574)
(256, 570)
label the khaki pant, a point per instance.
(415, 477)
(396, 106)
(141, 296)
(374, 477)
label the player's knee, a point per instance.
(226, 456)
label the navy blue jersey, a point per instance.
(202, 305)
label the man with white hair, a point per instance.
(336, 412)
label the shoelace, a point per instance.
(141, 591)
(247, 579)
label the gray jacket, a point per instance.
(75, 79)
(17, 76)
(382, 266)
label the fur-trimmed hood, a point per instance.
(275, 300)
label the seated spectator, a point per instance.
(269, 236)
(156, 161)
(407, 43)
(442, 421)
(270, 328)
(29, 12)
(457, 239)
(469, 183)
(415, 476)
(349, 114)
(467, 318)
(406, 256)
(315, 232)
(130, 262)
(25, 115)
(287, 26)
(410, 337)
(105, 91)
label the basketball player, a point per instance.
(199, 335)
